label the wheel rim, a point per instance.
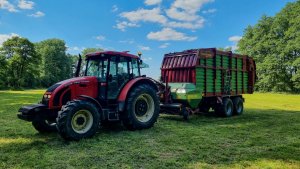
(229, 109)
(143, 107)
(82, 121)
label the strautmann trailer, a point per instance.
(202, 79)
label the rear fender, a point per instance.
(129, 86)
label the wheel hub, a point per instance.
(141, 107)
(144, 107)
(82, 121)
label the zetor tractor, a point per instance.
(112, 89)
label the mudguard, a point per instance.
(126, 89)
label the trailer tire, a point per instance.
(42, 125)
(238, 106)
(142, 108)
(225, 109)
(78, 119)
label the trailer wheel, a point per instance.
(142, 108)
(238, 106)
(225, 109)
(42, 125)
(78, 119)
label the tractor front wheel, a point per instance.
(142, 108)
(78, 119)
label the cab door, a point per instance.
(118, 75)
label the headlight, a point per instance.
(47, 96)
(181, 91)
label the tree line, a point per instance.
(24, 64)
(274, 42)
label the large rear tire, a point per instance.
(42, 125)
(225, 109)
(142, 108)
(78, 119)
(238, 106)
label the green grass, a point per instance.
(267, 135)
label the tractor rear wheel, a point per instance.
(142, 108)
(238, 106)
(225, 109)
(78, 119)
(43, 125)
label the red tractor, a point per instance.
(112, 89)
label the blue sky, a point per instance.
(154, 27)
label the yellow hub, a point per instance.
(82, 121)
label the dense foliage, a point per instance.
(274, 42)
(24, 64)
(55, 65)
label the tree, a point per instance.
(20, 62)
(56, 65)
(274, 42)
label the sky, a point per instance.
(154, 27)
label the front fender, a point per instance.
(131, 84)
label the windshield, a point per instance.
(97, 68)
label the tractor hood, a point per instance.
(61, 92)
(68, 82)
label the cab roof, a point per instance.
(112, 53)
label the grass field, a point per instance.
(267, 135)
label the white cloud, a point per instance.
(129, 41)
(186, 10)
(37, 14)
(169, 34)
(4, 37)
(165, 45)
(181, 15)
(152, 2)
(123, 25)
(23, 4)
(4, 4)
(187, 25)
(235, 39)
(75, 48)
(146, 15)
(114, 8)
(100, 37)
(191, 6)
(144, 47)
(209, 11)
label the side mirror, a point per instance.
(140, 62)
(109, 78)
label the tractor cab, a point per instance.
(113, 70)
